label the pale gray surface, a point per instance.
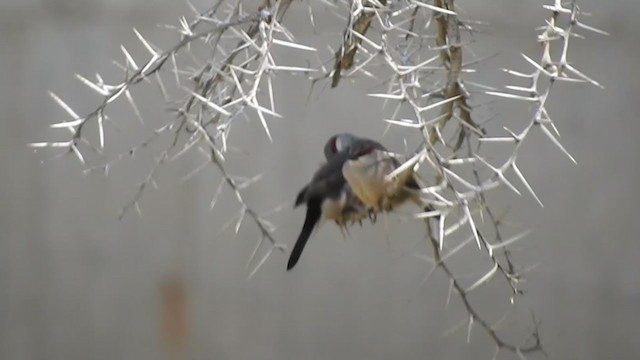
(79, 284)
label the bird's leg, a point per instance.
(357, 219)
(372, 215)
(346, 230)
(343, 229)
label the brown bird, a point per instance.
(366, 170)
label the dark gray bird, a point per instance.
(351, 186)
(327, 196)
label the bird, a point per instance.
(365, 172)
(326, 196)
(351, 186)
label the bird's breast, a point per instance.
(366, 176)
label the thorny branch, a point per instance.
(360, 18)
(475, 316)
(385, 38)
(220, 91)
(417, 47)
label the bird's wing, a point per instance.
(328, 180)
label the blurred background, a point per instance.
(77, 283)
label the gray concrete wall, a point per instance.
(76, 283)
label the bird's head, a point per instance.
(339, 143)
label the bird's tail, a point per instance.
(312, 217)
